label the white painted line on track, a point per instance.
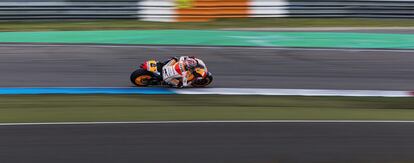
(207, 121)
(294, 92)
(208, 47)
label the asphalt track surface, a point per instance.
(26, 65)
(209, 143)
(41, 65)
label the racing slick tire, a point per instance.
(141, 77)
(204, 82)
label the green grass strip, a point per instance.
(72, 108)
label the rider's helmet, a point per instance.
(190, 63)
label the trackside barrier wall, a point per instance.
(68, 9)
(201, 10)
(205, 10)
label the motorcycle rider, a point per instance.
(177, 70)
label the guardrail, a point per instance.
(352, 8)
(69, 9)
(201, 10)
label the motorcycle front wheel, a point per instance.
(204, 82)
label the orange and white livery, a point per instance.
(176, 71)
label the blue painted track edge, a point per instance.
(85, 90)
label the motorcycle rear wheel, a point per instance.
(141, 77)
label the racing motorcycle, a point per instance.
(150, 74)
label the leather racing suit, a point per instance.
(176, 71)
